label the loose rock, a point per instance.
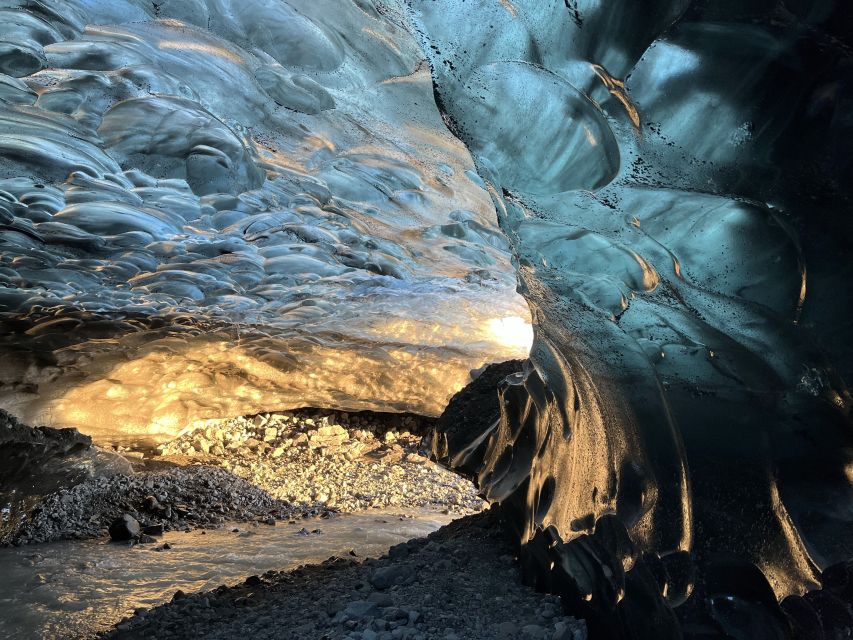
(125, 527)
(477, 597)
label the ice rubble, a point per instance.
(212, 207)
(678, 457)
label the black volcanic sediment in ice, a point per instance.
(215, 207)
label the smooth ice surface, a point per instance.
(673, 183)
(212, 208)
(81, 588)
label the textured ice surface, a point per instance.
(217, 207)
(213, 207)
(672, 177)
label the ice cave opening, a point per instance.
(283, 277)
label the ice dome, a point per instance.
(215, 208)
(211, 208)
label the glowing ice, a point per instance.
(214, 208)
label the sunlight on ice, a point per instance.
(512, 331)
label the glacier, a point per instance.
(678, 455)
(211, 208)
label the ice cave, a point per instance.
(426, 319)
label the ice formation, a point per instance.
(672, 177)
(212, 208)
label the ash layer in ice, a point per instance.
(679, 455)
(212, 208)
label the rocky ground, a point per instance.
(175, 498)
(262, 468)
(460, 583)
(329, 459)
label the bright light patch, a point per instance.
(512, 331)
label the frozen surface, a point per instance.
(211, 208)
(672, 177)
(214, 207)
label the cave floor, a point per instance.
(271, 467)
(273, 491)
(460, 582)
(304, 472)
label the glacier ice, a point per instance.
(214, 207)
(677, 457)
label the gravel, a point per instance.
(275, 466)
(176, 498)
(350, 462)
(460, 583)
(35, 462)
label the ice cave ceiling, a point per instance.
(214, 207)
(217, 208)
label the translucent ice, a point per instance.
(212, 207)
(678, 456)
(216, 207)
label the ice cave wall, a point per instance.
(675, 180)
(216, 207)
(213, 207)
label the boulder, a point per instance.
(125, 527)
(386, 577)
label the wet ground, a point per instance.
(75, 589)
